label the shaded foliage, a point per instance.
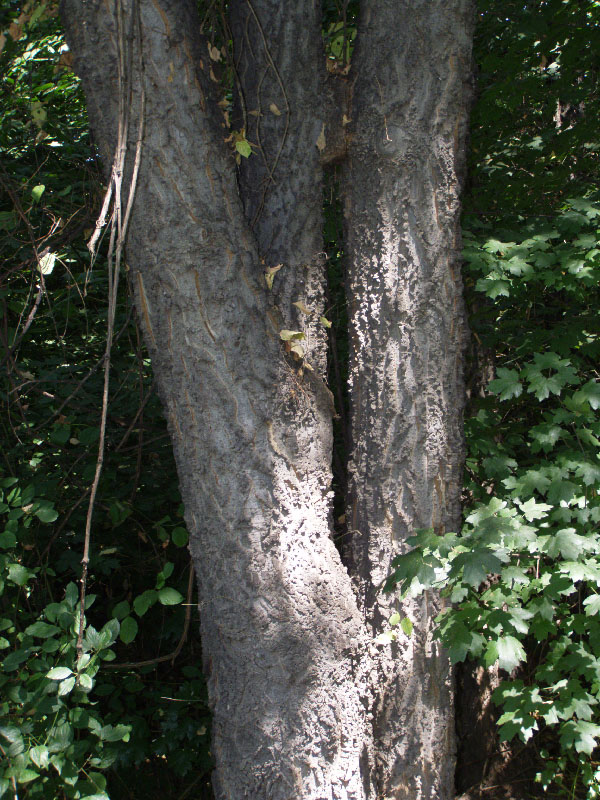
(65, 721)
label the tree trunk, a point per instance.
(305, 704)
(407, 337)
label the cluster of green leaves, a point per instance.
(53, 739)
(73, 726)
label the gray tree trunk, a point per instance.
(407, 337)
(306, 705)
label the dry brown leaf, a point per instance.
(321, 139)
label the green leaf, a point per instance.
(243, 147)
(109, 633)
(60, 433)
(129, 629)
(588, 472)
(84, 659)
(590, 393)
(476, 566)
(37, 192)
(121, 610)
(115, 733)
(568, 543)
(71, 595)
(458, 641)
(510, 653)
(85, 680)
(59, 673)
(562, 491)
(514, 575)
(96, 796)
(592, 605)
(491, 654)
(545, 436)
(88, 436)
(169, 596)
(532, 510)
(166, 572)
(12, 734)
(581, 734)
(142, 602)
(507, 385)
(40, 756)
(15, 659)
(493, 287)
(18, 574)
(42, 630)
(179, 537)
(386, 637)
(394, 619)
(66, 687)
(406, 626)
(7, 540)
(26, 775)
(46, 514)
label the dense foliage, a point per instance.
(523, 573)
(123, 701)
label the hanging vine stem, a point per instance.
(119, 222)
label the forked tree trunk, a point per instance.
(306, 705)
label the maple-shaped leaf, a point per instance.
(507, 384)
(510, 653)
(562, 491)
(580, 734)
(589, 392)
(588, 472)
(476, 565)
(533, 510)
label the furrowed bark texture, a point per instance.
(407, 336)
(306, 706)
(274, 42)
(280, 625)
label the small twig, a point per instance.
(30, 316)
(160, 438)
(190, 787)
(139, 412)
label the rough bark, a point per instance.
(407, 336)
(293, 675)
